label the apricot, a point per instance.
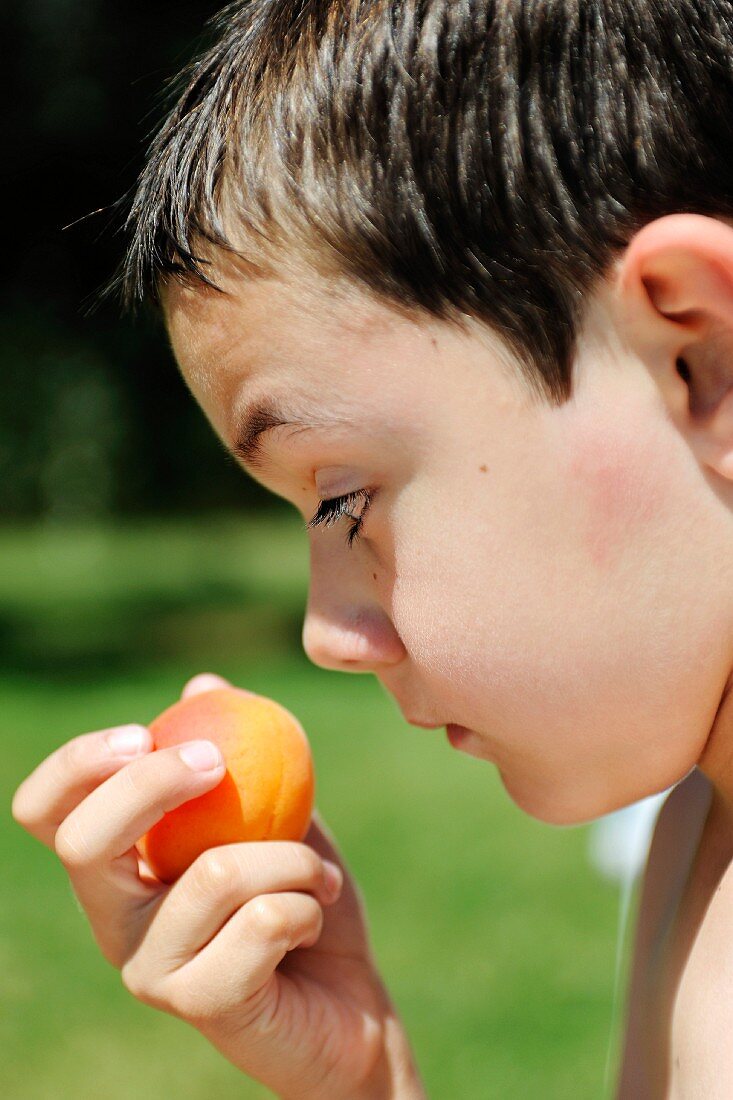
(268, 788)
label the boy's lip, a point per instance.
(457, 735)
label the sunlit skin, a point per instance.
(558, 580)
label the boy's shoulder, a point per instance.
(680, 1009)
(701, 964)
(674, 846)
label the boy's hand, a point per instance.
(257, 945)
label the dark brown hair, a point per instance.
(480, 157)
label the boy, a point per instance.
(456, 280)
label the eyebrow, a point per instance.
(256, 420)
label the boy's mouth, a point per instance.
(458, 735)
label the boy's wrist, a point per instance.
(396, 1076)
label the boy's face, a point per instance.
(534, 574)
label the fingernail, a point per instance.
(201, 756)
(334, 878)
(129, 740)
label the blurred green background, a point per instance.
(134, 554)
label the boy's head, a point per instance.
(480, 257)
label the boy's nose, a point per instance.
(345, 628)
(355, 640)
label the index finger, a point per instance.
(64, 779)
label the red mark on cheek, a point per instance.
(616, 497)
(483, 469)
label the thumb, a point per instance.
(209, 681)
(205, 681)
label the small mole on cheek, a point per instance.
(483, 469)
(374, 575)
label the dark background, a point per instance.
(95, 420)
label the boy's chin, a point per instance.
(550, 807)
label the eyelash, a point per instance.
(330, 511)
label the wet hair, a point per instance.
(466, 158)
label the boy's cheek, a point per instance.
(617, 487)
(603, 490)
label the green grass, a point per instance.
(494, 935)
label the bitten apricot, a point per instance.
(268, 788)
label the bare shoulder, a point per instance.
(680, 1005)
(671, 855)
(703, 1011)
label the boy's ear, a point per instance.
(674, 290)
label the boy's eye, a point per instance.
(329, 511)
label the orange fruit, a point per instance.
(268, 788)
